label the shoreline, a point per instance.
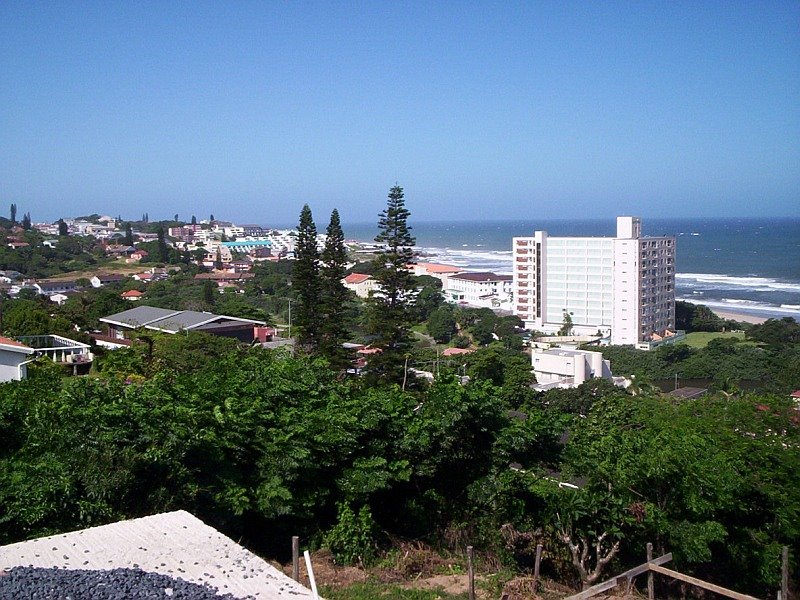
(738, 316)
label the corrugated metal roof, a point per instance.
(139, 316)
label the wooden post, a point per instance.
(536, 565)
(470, 573)
(785, 573)
(651, 591)
(295, 558)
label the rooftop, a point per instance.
(481, 277)
(176, 544)
(356, 278)
(170, 321)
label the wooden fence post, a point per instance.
(536, 565)
(651, 591)
(785, 573)
(295, 558)
(470, 573)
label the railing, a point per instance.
(59, 349)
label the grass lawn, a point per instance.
(700, 339)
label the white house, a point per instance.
(563, 368)
(14, 358)
(484, 290)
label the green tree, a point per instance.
(13, 214)
(163, 248)
(334, 297)
(566, 326)
(26, 221)
(128, 239)
(442, 324)
(63, 230)
(306, 283)
(389, 307)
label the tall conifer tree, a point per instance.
(334, 296)
(390, 321)
(305, 282)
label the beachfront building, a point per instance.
(482, 290)
(441, 272)
(622, 287)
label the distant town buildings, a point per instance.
(622, 286)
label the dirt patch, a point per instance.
(326, 572)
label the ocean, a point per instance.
(744, 265)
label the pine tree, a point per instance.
(62, 228)
(128, 235)
(305, 282)
(13, 214)
(26, 221)
(389, 318)
(334, 297)
(163, 249)
(194, 220)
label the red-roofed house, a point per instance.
(441, 272)
(361, 284)
(457, 351)
(132, 295)
(14, 358)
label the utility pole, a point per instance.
(290, 318)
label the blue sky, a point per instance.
(247, 110)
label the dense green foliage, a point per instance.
(772, 366)
(256, 441)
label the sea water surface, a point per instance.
(744, 265)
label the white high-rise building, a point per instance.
(623, 285)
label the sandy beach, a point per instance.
(737, 316)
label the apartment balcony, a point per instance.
(61, 350)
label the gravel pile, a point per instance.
(22, 583)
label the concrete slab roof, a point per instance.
(176, 544)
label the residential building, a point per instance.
(163, 320)
(483, 290)
(131, 295)
(48, 287)
(75, 356)
(564, 368)
(102, 279)
(253, 230)
(441, 272)
(363, 285)
(623, 287)
(247, 245)
(14, 358)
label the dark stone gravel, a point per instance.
(21, 583)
